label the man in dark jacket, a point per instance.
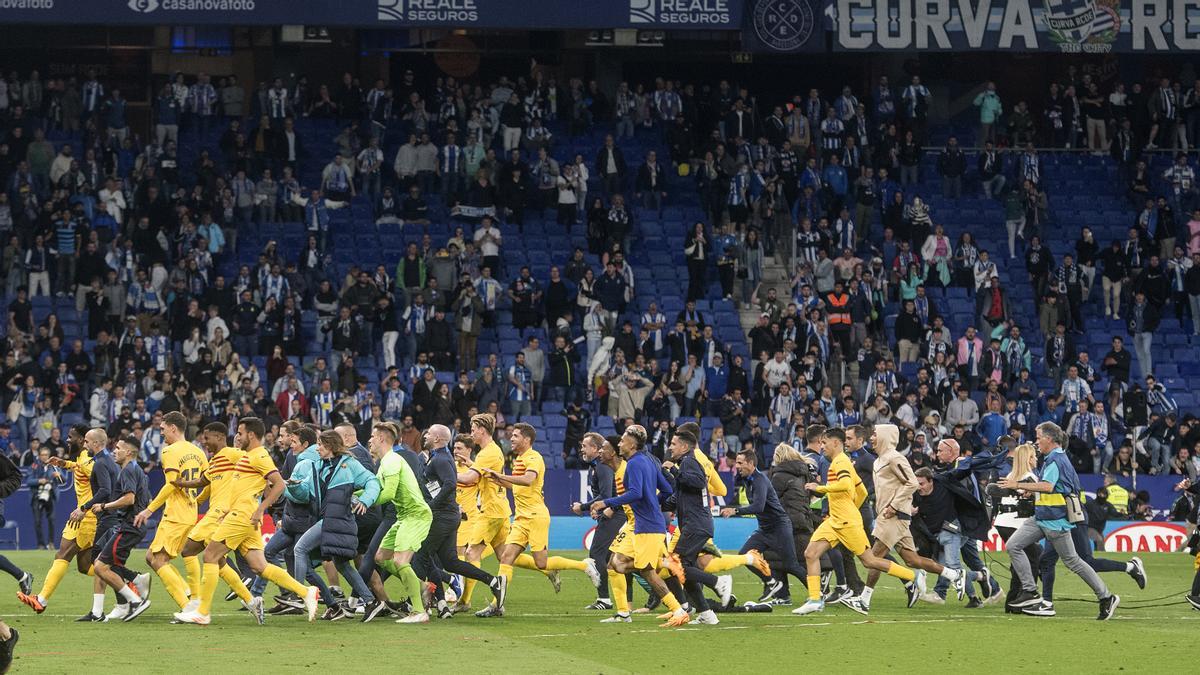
(695, 519)
(10, 482)
(774, 531)
(610, 166)
(952, 164)
(959, 474)
(602, 462)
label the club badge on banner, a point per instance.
(783, 26)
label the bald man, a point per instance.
(439, 548)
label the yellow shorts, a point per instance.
(82, 533)
(646, 550)
(532, 532)
(203, 531)
(466, 528)
(170, 537)
(1195, 563)
(236, 532)
(853, 538)
(492, 531)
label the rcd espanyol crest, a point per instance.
(1080, 21)
(783, 25)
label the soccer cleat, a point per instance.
(443, 610)
(32, 601)
(310, 602)
(26, 583)
(1108, 606)
(136, 609)
(857, 605)
(192, 605)
(706, 618)
(600, 604)
(772, 588)
(142, 584)
(619, 617)
(678, 618)
(490, 612)
(460, 606)
(91, 618)
(1138, 572)
(758, 562)
(454, 589)
(974, 603)
(499, 588)
(1194, 601)
(675, 567)
(419, 617)
(810, 607)
(724, 588)
(285, 610)
(374, 609)
(960, 585)
(1025, 599)
(290, 599)
(780, 601)
(337, 594)
(932, 598)
(1042, 608)
(255, 607)
(332, 613)
(593, 573)
(555, 581)
(400, 609)
(193, 617)
(118, 613)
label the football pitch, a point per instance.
(548, 633)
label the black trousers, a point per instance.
(602, 539)
(387, 520)
(696, 282)
(778, 539)
(438, 555)
(688, 548)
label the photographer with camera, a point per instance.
(1056, 509)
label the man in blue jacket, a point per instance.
(1056, 501)
(43, 481)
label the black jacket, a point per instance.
(973, 516)
(764, 503)
(602, 161)
(691, 496)
(788, 479)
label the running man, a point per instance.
(132, 493)
(895, 484)
(844, 525)
(255, 486)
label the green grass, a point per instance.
(544, 633)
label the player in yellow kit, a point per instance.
(531, 526)
(217, 479)
(491, 522)
(467, 496)
(77, 538)
(254, 487)
(181, 460)
(844, 524)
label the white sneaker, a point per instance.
(310, 602)
(589, 568)
(193, 617)
(118, 613)
(724, 588)
(707, 618)
(142, 583)
(933, 598)
(255, 607)
(193, 605)
(810, 607)
(418, 617)
(959, 584)
(618, 618)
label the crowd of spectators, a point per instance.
(143, 248)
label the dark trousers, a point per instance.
(777, 539)
(387, 520)
(688, 548)
(438, 555)
(696, 270)
(43, 515)
(602, 538)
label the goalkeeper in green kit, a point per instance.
(399, 486)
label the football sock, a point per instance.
(555, 562)
(814, 587)
(58, 570)
(900, 572)
(412, 585)
(191, 565)
(208, 586)
(97, 604)
(280, 578)
(726, 563)
(620, 588)
(177, 588)
(230, 577)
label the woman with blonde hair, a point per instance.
(1013, 507)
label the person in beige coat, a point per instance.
(895, 483)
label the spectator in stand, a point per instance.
(990, 109)
(952, 164)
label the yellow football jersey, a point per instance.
(184, 460)
(530, 500)
(220, 475)
(493, 502)
(467, 496)
(716, 486)
(843, 486)
(249, 480)
(81, 469)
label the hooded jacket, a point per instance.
(788, 479)
(895, 481)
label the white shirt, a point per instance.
(491, 246)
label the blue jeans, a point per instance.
(279, 550)
(952, 546)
